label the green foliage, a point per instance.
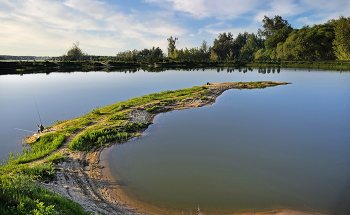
(43, 146)
(96, 111)
(272, 25)
(20, 196)
(75, 53)
(144, 55)
(252, 45)
(280, 36)
(118, 116)
(222, 46)
(171, 45)
(37, 171)
(55, 158)
(192, 54)
(341, 43)
(90, 138)
(41, 209)
(72, 126)
(308, 43)
(152, 109)
(162, 96)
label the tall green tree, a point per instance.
(341, 43)
(171, 45)
(253, 44)
(308, 43)
(222, 46)
(280, 36)
(272, 25)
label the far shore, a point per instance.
(84, 177)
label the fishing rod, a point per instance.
(25, 130)
(38, 110)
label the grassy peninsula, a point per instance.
(59, 173)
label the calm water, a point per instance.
(281, 147)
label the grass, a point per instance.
(19, 195)
(55, 158)
(152, 109)
(256, 84)
(41, 147)
(162, 97)
(99, 136)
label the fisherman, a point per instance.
(41, 128)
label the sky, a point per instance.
(107, 27)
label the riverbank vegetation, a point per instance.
(19, 192)
(277, 44)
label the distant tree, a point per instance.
(222, 46)
(75, 53)
(272, 25)
(252, 45)
(238, 44)
(307, 43)
(171, 45)
(341, 43)
(280, 36)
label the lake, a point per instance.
(253, 150)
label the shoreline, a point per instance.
(84, 177)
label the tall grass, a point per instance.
(19, 195)
(90, 138)
(43, 146)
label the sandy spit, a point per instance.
(84, 179)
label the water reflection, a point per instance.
(281, 147)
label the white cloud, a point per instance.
(221, 9)
(282, 8)
(96, 9)
(52, 26)
(221, 27)
(48, 27)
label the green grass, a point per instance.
(152, 109)
(255, 85)
(19, 195)
(100, 135)
(162, 97)
(118, 116)
(46, 144)
(55, 158)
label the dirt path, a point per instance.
(80, 177)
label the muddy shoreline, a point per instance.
(84, 177)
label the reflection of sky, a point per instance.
(285, 146)
(67, 95)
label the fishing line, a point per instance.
(25, 130)
(38, 110)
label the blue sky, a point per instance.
(106, 27)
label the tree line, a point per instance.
(276, 41)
